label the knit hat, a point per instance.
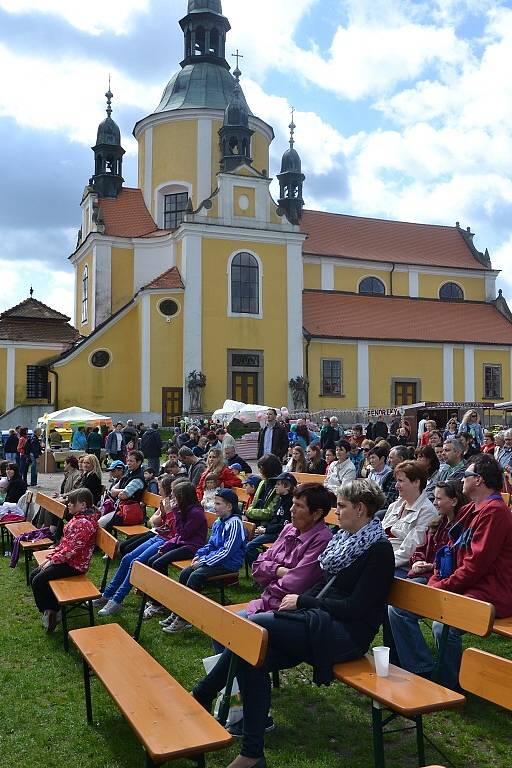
(229, 497)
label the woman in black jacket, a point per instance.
(91, 477)
(17, 486)
(335, 621)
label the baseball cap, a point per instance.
(116, 465)
(229, 496)
(253, 480)
(286, 477)
(236, 466)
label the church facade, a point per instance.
(197, 274)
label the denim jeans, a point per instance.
(195, 578)
(414, 653)
(120, 586)
(288, 646)
(33, 469)
(161, 563)
(254, 546)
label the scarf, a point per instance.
(344, 548)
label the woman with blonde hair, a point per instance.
(297, 461)
(215, 466)
(91, 478)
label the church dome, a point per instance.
(291, 162)
(108, 133)
(202, 85)
(198, 6)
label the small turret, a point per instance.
(291, 180)
(108, 156)
(235, 134)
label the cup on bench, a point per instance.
(381, 658)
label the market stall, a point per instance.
(69, 418)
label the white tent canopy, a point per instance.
(233, 409)
(74, 417)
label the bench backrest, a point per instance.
(242, 495)
(304, 477)
(151, 499)
(57, 508)
(487, 676)
(331, 518)
(106, 542)
(211, 517)
(245, 639)
(458, 611)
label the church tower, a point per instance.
(108, 156)
(205, 28)
(235, 134)
(291, 180)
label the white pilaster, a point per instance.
(490, 287)
(469, 373)
(192, 307)
(102, 305)
(413, 284)
(148, 167)
(363, 375)
(295, 274)
(9, 378)
(145, 354)
(448, 388)
(204, 161)
(327, 276)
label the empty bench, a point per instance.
(165, 718)
(76, 592)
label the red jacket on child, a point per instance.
(483, 557)
(77, 543)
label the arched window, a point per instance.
(451, 292)
(245, 285)
(372, 286)
(85, 293)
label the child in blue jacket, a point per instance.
(224, 552)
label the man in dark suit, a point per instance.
(273, 438)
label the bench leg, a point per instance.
(222, 594)
(378, 738)
(65, 627)
(138, 628)
(3, 540)
(420, 741)
(105, 576)
(276, 682)
(87, 691)
(226, 699)
(27, 558)
(91, 613)
(200, 761)
(149, 762)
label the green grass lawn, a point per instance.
(42, 713)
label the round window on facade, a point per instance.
(100, 358)
(168, 307)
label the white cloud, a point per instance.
(95, 16)
(52, 287)
(43, 94)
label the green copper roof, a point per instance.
(203, 85)
(214, 6)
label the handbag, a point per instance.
(445, 559)
(130, 512)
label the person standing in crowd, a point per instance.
(471, 424)
(452, 455)
(273, 438)
(151, 446)
(452, 429)
(10, 445)
(380, 428)
(115, 443)
(22, 458)
(130, 434)
(422, 426)
(95, 443)
(33, 447)
(79, 440)
(329, 434)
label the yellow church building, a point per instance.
(199, 271)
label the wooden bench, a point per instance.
(329, 519)
(403, 693)
(148, 500)
(165, 718)
(503, 627)
(76, 592)
(487, 676)
(28, 548)
(227, 579)
(305, 477)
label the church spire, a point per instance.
(291, 180)
(235, 134)
(205, 29)
(108, 155)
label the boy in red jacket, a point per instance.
(71, 557)
(482, 540)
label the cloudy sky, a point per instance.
(404, 110)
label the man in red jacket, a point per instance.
(482, 540)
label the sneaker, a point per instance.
(110, 608)
(168, 621)
(45, 620)
(49, 621)
(152, 610)
(99, 602)
(178, 625)
(237, 729)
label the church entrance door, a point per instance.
(245, 387)
(172, 405)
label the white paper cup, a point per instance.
(381, 658)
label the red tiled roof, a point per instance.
(30, 331)
(127, 215)
(33, 309)
(351, 316)
(168, 280)
(354, 237)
